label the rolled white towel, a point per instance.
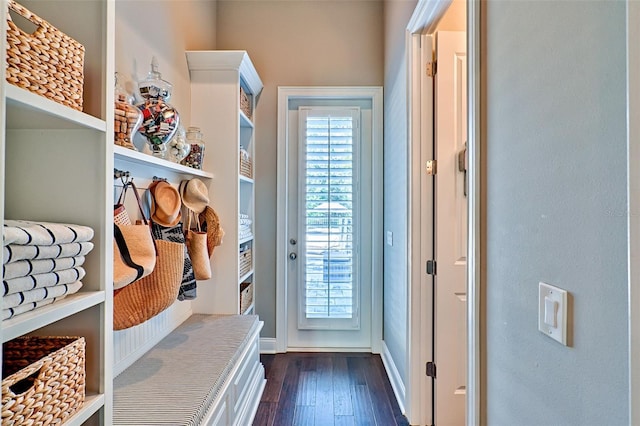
(27, 307)
(13, 252)
(17, 299)
(23, 268)
(49, 279)
(25, 232)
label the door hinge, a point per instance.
(431, 369)
(432, 167)
(432, 67)
(431, 267)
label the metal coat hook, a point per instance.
(156, 178)
(124, 176)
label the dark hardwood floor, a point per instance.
(327, 389)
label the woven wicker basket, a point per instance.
(246, 296)
(245, 104)
(245, 262)
(43, 380)
(47, 62)
(246, 167)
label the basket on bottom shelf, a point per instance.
(43, 379)
(246, 296)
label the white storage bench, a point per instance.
(206, 372)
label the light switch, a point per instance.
(550, 309)
(552, 312)
(390, 238)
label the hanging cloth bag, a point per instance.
(134, 251)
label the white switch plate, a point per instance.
(390, 238)
(547, 295)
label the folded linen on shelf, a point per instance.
(244, 232)
(27, 307)
(25, 232)
(30, 282)
(38, 294)
(243, 219)
(15, 252)
(23, 268)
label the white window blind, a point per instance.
(329, 217)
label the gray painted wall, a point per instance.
(555, 200)
(396, 178)
(295, 43)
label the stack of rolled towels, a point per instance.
(244, 227)
(42, 263)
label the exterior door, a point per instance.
(329, 211)
(450, 228)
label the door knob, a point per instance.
(293, 256)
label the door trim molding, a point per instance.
(633, 196)
(285, 94)
(474, 236)
(425, 17)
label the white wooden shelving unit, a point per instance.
(216, 78)
(56, 165)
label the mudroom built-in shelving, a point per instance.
(55, 166)
(225, 87)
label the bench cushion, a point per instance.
(176, 382)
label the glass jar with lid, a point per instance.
(160, 120)
(127, 118)
(196, 154)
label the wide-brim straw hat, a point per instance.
(210, 223)
(165, 204)
(195, 195)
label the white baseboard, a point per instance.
(268, 345)
(394, 377)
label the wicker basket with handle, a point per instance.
(246, 296)
(47, 62)
(43, 380)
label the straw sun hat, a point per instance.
(195, 195)
(165, 204)
(211, 225)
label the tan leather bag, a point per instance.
(196, 241)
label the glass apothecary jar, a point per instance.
(196, 154)
(160, 120)
(179, 148)
(127, 118)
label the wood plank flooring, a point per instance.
(327, 389)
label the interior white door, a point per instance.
(450, 228)
(329, 206)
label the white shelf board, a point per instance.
(244, 179)
(125, 154)
(245, 121)
(38, 318)
(92, 403)
(245, 240)
(245, 276)
(27, 110)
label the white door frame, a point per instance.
(633, 196)
(285, 94)
(423, 21)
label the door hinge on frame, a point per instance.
(431, 267)
(432, 167)
(431, 68)
(431, 369)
